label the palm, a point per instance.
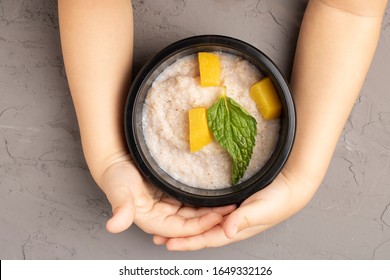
(135, 200)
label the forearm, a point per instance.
(336, 44)
(97, 44)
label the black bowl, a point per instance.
(133, 122)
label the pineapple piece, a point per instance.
(266, 98)
(209, 68)
(200, 134)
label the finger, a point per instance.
(160, 240)
(172, 221)
(177, 226)
(122, 219)
(189, 212)
(213, 238)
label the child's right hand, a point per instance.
(135, 200)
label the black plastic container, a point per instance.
(133, 121)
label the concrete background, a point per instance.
(50, 208)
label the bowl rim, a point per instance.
(238, 193)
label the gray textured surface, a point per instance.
(50, 207)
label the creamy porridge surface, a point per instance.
(165, 122)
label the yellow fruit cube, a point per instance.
(200, 134)
(209, 68)
(266, 98)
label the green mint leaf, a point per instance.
(235, 130)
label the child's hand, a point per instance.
(262, 210)
(134, 200)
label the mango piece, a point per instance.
(210, 69)
(200, 134)
(266, 98)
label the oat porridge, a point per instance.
(166, 126)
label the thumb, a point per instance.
(251, 219)
(239, 220)
(258, 215)
(123, 217)
(263, 210)
(116, 185)
(267, 207)
(123, 211)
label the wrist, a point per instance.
(99, 163)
